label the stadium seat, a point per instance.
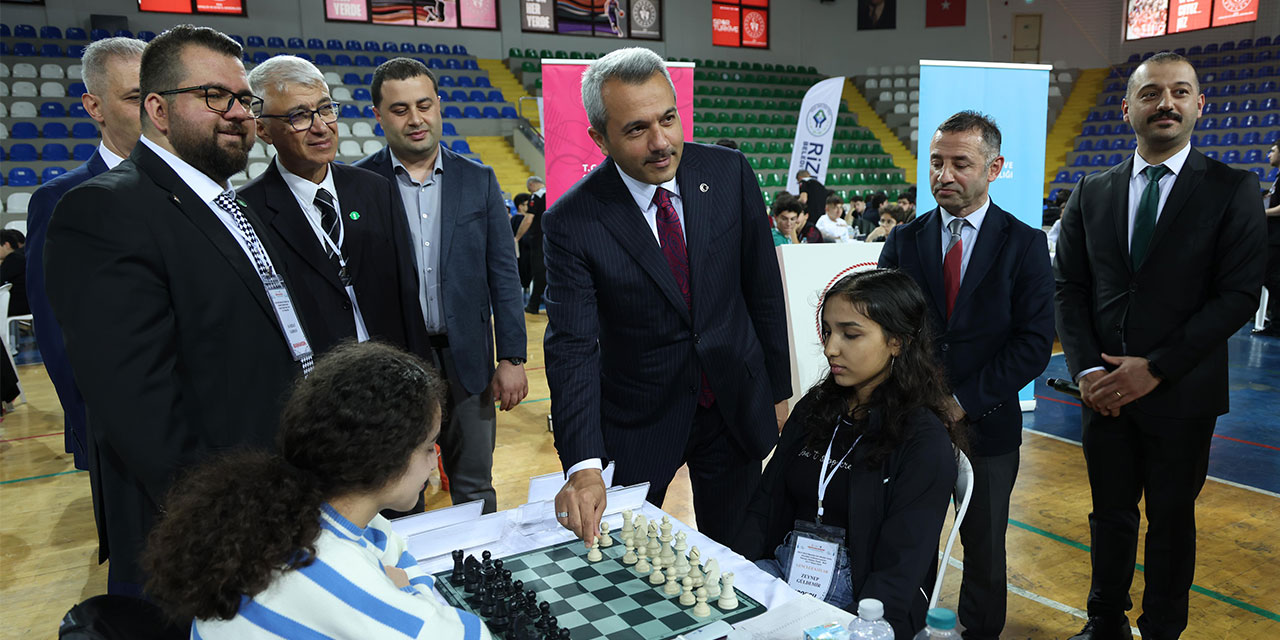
(52, 90)
(491, 112)
(295, 43)
(23, 109)
(372, 46)
(1208, 140)
(50, 50)
(84, 130)
(510, 112)
(52, 71)
(1063, 176)
(362, 130)
(341, 94)
(371, 147)
(1249, 121)
(460, 146)
(333, 44)
(353, 45)
(444, 49)
(447, 128)
(452, 111)
(1231, 157)
(482, 82)
(407, 47)
(48, 32)
(24, 131)
(315, 44)
(323, 60)
(342, 60)
(55, 152)
(480, 96)
(445, 80)
(1253, 156)
(1230, 139)
(21, 177)
(362, 61)
(24, 70)
(377, 130)
(82, 152)
(459, 50)
(255, 42)
(390, 46)
(24, 31)
(362, 94)
(458, 95)
(52, 110)
(99, 34)
(54, 130)
(367, 112)
(23, 152)
(471, 112)
(350, 148)
(75, 33)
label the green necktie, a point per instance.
(1144, 223)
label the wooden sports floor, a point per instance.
(48, 547)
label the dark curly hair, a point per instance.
(892, 300)
(233, 522)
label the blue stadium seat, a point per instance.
(1118, 144)
(1249, 105)
(275, 42)
(351, 79)
(23, 152)
(238, 38)
(1251, 138)
(24, 49)
(1084, 145)
(82, 152)
(304, 55)
(1089, 130)
(1270, 120)
(1228, 90)
(1133, 57)
(424, 47)
(315, 44)
(5, 31)
(451, 111)
(362, 61)
(1210, 107)
(1247, 88)
(75, 51)
(367, 112)
(54, 130)
(1063, 176)
(24, 131)
(1249, 121)
(368, 79)
(491, 112)
(323, 60)
(435, 63)
(1229, 106)
(1257, 171)
(470, 65)
(84, 130)
(123, 33)
(1208, 140)
(390, 46)
(1206, 123)
(1114, 159)
(333, 44)
(460, 146)
(448, 129)
(55, 152)
(295, 43)
(50, 33)
(1263, 56)
(354, 45)
(75, 33)
(1228, 75)
(407, 47)
(1228, 46)
(444, 96)
(478, 96)
(50, 173)
(1231, 157)
(52, 110)
(452, 63)
(349, 111)
(1098, 160)
(1271, 177)
(510, 112)
(1253, 156)
(1077, 176)
(1211, 91)
(1195, 50)
(1228, 122)
(76, 110)
(99, 34)
(496, 96)
(372, 46)
(377, 130)
(466, 81)
(1211, 47)
(23, 177)
(1246, 43)
(1213, 155)
(1268, 86)
(342, 60)
(378, 60)
(483, 82)
(260, 57)
(446, 81)
(1263, 41)
(146, 36)
(1271, 137)
(458, 95)
(255, 41)
(362, 94)
(459, 50)
(1111, 101)
(1245, 58)
(24, 31)
(442, 48)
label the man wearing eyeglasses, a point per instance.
(179, 324)
(333, 223)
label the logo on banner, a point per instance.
(1236, 6)
(753, 25)
(818, 119)
(1006, 172)
(644, 14)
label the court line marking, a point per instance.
(47, 475)
(1249, 442)
(43, 435)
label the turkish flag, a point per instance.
(944, 13)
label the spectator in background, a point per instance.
(787, 210)
(832, 224)
(874, 202)
(537, 264)
(813, 194)
(908, 202)
(727, 142)
(857, 212)
(1272, 277)
(13, 271)
(520, 223)
(891, 215)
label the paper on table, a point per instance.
(790, 619)
(437, 518)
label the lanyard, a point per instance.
(326, 240)
(825, 477)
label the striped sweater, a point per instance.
(346, 594)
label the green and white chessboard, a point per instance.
(604, 599)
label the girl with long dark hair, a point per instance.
(291, 544)
(866, 463)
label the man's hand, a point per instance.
(397, 575)
(1086, 392)
(1130, 380)
(955, 412)
(509, 384)
(780, 413)
(583, 499)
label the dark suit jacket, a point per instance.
(477, 267)
(624, 353)
(1000, 334)
(1199, 283)
(375, 249)
(171, 336)
(896, 513)
(13, 270)
(816, 203)
(48, 333)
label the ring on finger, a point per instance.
(562, 514)
(1119, 395)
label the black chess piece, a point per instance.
(517, 587)
(501, 617)
(472, 582)
(487, 602)
(564, 634)
(497, 564)
(488, 560)
(544, 608)
(506, 578)
(519, 628)
(459, 574)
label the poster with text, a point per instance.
(1227, 12)
(537, 15)
(226, 7)
(755, 28)
(440, 14)
(726, 22)
(1146, 19)
(1188, 15)
(352, 10)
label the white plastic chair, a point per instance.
(4, 111)
(900, 107)
(344, 130)
(4, 70)
(871, 71)
(17, 202)
(886, 71)
(75, 72)
(886, 96)
(1260, 318)
(52, 71)
(255, 169)
(362, 129)
(24, 89)
(961, 495)
(900, 70)
(53, 90)
(4, 132)
(899, 96)
(913, 81)
(332, 79)
(4, 89)
(23, 109)
(899, 83)
(915, 108)
(341, 94)
(372, 147)
(349, 148)
(24, 70)
(20, 225)
(872, 84)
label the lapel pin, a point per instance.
(175, 199)
(242, 203)
(703, 187)
(354, 215)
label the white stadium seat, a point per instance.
(886, 96)
(344, 130)
(4, 132)
(23, 109)
(332, 79)
(4, 70)
(4, 111)
(362, 129)
(1064, 77)
(900, 70)
(899, 83)
(255, 169)
(901, 107)
(899, 96)
(259, 150)
(24, 70)
(75, 72)
(913, 70)
(886, 71)
(53, 90)
(871, 71)
(341, 94)
(349, 148)
(4, 89)
(52, 71)
(372, 146)
(913, 81)
(915, 122)
(24, 90)
(17, 202)
(915, 107)
(872, 84)
(1055, 92)
(914, 96)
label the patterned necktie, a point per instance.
(328, 221)
(952, 262)
(1144, 222)
(671, 237)
(266, 271)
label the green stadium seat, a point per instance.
(756, 66)
(859, 162)
(530, 53)
(731, 103)
(768, 66)
(562, 54)
(749, 78)
(737, 118)
(698, 62)
(746, 146)
(739, 132)
(787, 146)
(769, 163)
(699, 131)
(701, 90)
(754, 92)
(733, 64)
(755, 132)
(514, 53)
(717, 90)
(751, 117)
(832, 180)
(791, 68)
(767, 132)
(575, 55)
(546, 53)
(754, 162)
(713, 131)
(529, 67)
(774, 180)
(761, 179)
(846, 178)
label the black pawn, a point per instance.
(501, 617)
(517, 587)
(564, 634)
(459, 574)
(487, 603)
(497, 564)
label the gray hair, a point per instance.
(966, 121)
(634, 65)
(98, 54)
(528, 184)
(281, 72)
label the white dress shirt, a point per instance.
(968, 234)
(833, 230)
(109, 156)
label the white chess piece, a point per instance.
(713, 578)
(673, 587)
(642, 563)
(654, 547)
(627, 527)
(728, 598)
(605, 539)
(668, 555)
(701, 610)
(686, 597)
(666, 529)
(594, 555)
(695, 571)
(657, 577)
(681, 560)
(639, 528)
(629, 557)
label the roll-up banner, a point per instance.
(815, 131)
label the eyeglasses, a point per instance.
(220, 99)
(302, 119)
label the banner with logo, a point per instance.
(815, 131)
(1016, 96)
(569, 150)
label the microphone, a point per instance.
(1064, 386)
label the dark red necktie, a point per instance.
(671, 237)
(952, 262)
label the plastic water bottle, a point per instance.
(870, 624)
(940, 624)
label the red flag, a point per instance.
(944, 13)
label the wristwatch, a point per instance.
(515, 361)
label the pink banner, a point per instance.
(569, 150)
(354, 10)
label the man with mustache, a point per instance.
(666, 339)
(468, 285)
(178, 323)
(1146, 300)
(990, 288)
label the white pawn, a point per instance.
(728, 598)
(687, 598)
(629, 557)
(673, 587)
(627, 527)
(695, 571)
(701, 610)
(654, 547)
(656, 578)
(606, 540)
(594, 555)
(713, 578)
(642, 563)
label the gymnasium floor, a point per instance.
(48, 546)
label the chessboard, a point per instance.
(604, 599)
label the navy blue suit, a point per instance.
(999, 338)
(625, 355)
(48, 333)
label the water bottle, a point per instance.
(870, 624)
(940, 624)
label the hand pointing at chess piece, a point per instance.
(580, 504)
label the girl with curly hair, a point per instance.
(291, 544)
(866, 462)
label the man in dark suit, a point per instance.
(666, 339)
(175, 316)
(468, 285)
(1159, 261)
(1273, 250)
(110, 72)
(336, 226)
(990, 288)
(533, 238)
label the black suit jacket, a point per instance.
(477, 267)
(172, 339)
(373, 243)
(896, 513)
(1000, 334)
(625, 354)
(1199, 283)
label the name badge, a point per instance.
(813, 561)
(288, 319)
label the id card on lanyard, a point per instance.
(287, 316)
(817, 547)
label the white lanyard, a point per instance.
(326, 240)
(362, 333)
(824, 478)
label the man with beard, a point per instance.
(179, 325)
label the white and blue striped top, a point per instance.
(346, 593)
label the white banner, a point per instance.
(816, 129)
